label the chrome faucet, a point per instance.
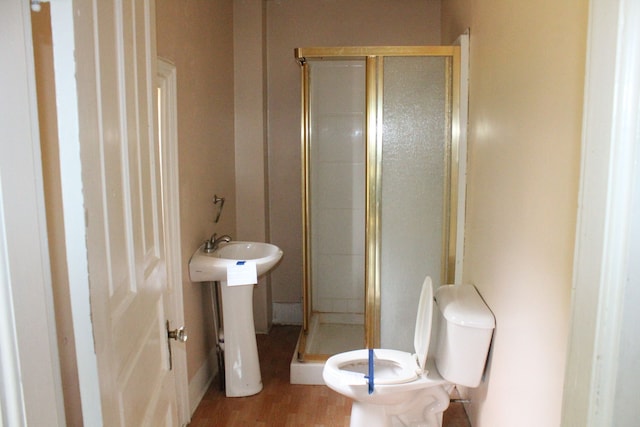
(214, 241)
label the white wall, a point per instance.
(526, 90)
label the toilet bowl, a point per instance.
(412, 388)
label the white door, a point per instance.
(130, 298)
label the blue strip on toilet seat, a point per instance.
(370, 376)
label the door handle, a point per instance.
(179, 335)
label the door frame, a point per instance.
(608, 212)
(30, 383)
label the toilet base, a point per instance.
(364, 414)
(423, 408)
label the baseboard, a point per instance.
(287, 313)
(199, 384)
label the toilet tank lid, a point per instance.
(463, 305)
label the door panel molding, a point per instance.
(116, 153)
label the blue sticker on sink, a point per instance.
(240, 262)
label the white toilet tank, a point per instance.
(465, 328)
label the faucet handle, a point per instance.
(208, 244)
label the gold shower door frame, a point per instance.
(374, 57)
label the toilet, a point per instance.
(413, 389)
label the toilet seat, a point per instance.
(390, 367)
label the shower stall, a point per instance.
(380, 146)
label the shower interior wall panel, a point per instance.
(337, 186)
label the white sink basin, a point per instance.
(209, 267)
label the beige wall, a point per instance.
(526, 84)
(250, 90)
(197, 36)
(305, 23)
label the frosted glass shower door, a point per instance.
(415, 152)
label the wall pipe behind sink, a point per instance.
(217, 200)
(218, 328)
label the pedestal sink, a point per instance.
(242, 367)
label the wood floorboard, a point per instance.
(284, 404)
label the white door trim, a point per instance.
(463, 42)
(30, 383)
(13, 409)
(610, 163)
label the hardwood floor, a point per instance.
(281, 403)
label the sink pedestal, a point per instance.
(241, 364)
